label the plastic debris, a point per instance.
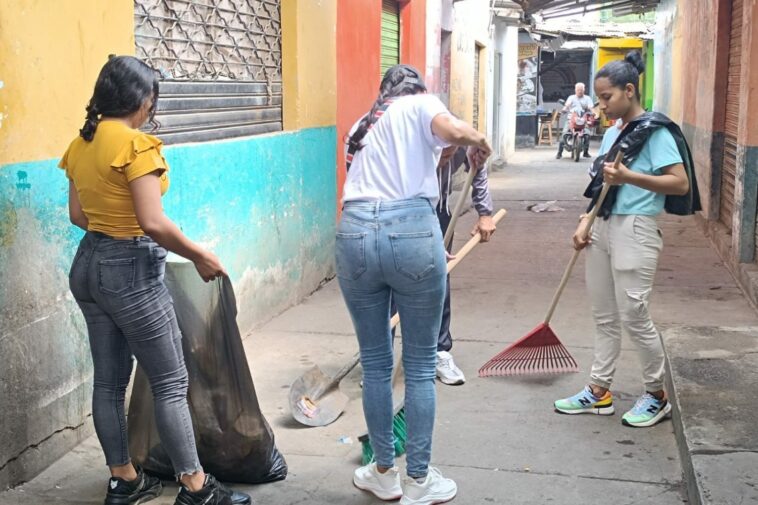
(545, 207)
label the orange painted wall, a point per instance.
(358, 56)
(358, 60)
(413, 34)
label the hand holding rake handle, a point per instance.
(587, 231)
(459, 204)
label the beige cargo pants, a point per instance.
(620, 268)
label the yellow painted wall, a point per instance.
(615, 49)
(309, 63)
(471, 28)
(50, 55)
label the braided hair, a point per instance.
(123, 86)
(399, 80)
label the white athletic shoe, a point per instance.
(435, 489)
(385, 486)
(447, 372)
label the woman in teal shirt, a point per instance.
(622, 253)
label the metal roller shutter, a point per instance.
(390, 35)
(729, 161)
(220, 63)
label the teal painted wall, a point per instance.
(266, 205)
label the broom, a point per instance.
(540, 351)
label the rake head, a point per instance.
(539, 352)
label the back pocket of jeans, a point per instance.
(350, 255)
(116, 275)
(413, 253)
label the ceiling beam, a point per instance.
(550, 14)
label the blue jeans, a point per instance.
(119, 287)
(395, 247)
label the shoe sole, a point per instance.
(448, 382)
(383, 498)
(144, 497)
(599, 411)
(655, 420)
(434, 501)
(248, 501)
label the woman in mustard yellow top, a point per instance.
(117, 177)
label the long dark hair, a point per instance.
(399, 80)
(623, 72)
(122, 87)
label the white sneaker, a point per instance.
(435, 489)
(385, 486)
(447, 372)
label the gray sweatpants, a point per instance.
(620, 268)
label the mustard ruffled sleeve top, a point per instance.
(102, 169)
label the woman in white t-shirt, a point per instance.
(389, 241)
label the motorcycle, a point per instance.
(579, 131)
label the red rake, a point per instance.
(540, 351)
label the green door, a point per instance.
(390, 35)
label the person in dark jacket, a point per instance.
(622, 253)
(450, 162)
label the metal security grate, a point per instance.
(390, 38)
(221, 64)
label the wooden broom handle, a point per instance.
(459, 205)
(468, 246)
(473, 242)
(575, 256)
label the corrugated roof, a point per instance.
(575, 29)
(560, 8)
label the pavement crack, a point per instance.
(720, 452)
(603, 478)
(34, 446)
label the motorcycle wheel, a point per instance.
(577, 150)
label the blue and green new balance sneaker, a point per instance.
(584, 402)
(647, 411)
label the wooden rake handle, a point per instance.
(575, 256)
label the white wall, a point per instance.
(505, 41)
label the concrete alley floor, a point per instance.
(497, 437)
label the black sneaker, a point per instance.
(558, 156)
(141, 490)
(213, 493)
(587, 155)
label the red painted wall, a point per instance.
(358, 55)
(413, 34)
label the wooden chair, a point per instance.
(546, 126)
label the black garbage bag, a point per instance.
(234, 441)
